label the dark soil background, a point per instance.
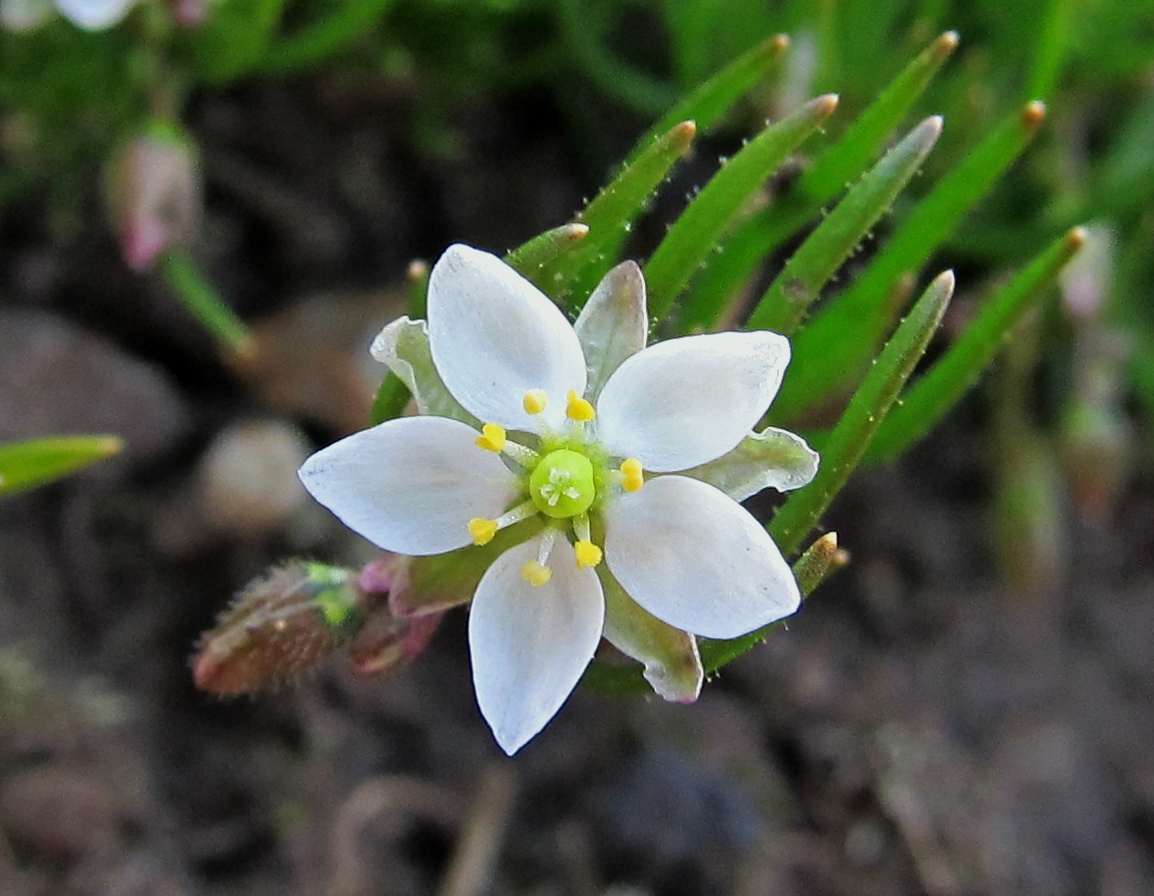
(917, 728)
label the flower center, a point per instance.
(562, 486)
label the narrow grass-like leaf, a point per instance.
(835, 347)
(868, 407)
(820, 559)
(390, 400)
(714, 98)
(832, 168)
(324, 37)
(204, 302)
(692, 238)
(611, 214)
(25, 465)
(934, 394)
(785, 303)
(532, 258)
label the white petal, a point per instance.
(688, 401)
(403, 347)
(494, 336)
(613, 324)
(411, 485)
(696, 559)
(530, 644)
(94, 15)
(772, 458)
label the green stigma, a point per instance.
(562, 484)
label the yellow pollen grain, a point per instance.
(588, 554)
(492, 437)
(631, 470)
(536, 573)
(534, 401)
(579, 409)
(482, 530)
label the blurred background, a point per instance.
(965, 709)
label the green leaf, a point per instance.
(204, 302)
(832, 168)
(693, 236)
(610, 216)
(715, 97)
(331, 32)
(863, 416)
(25, 465)
(390, 400)
(785, 303)
(931, 398)
(533, 258)
(837, 344)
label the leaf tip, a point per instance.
(1033, 114)
(945, 45)
(416, 271)
(776, 45)
(574, 232)
(825, 105)
(682, 135)
(1075, 238)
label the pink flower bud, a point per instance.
(153, 193)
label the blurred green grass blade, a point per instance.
(829, 173)
(25, 465)
(932, 397)
(693, 236)
(204, 302)
(1053, 38)
(317, 42)
(844, 160)
(610, 215)
(839, 341)
(865, 413)
(233, 40)
(715, 97)
(785, 303)
(545, 250)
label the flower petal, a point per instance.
(772, 458)
(530, 644)
(696, 559)
(411, 485)
(688, 401)
(94, 15)
(403, 347)
(613, 324)
(672, 663)
(494, 336)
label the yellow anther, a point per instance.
(536, 573)
(482, 530)
(492, 437)
(631, 470)
(534, 401)
(579, 409)
(588, 554)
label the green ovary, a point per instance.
(562, 484)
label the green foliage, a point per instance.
(25, 465)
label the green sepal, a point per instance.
(931, 398)
(693, 236)
(403, 347)
(868, 407)
(25, 465)
(785, 303)
(831, 352)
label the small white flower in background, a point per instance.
(91, 15)
(622, 464)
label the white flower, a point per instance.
(91, 15)
(582, 429)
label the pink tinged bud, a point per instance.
(280, 626)
(387, 643)
(188, 13)
(153, 194)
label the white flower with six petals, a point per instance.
(637, 456)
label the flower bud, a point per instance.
(279, 626)
(153, 194)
